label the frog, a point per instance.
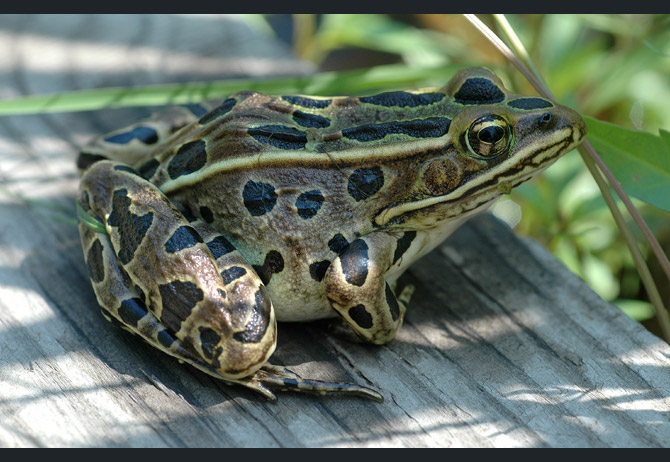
(205, 224)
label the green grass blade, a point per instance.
(327, 83)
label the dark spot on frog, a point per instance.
(187, 212)
(140, 293)
(310, 120)
(360, 316)
(179, 298)
(219, 111)
(478, 90)
(209, 339)
(230, 274)
(132, 310)
(259, 198)
(274, 263)
(431, 127)
(318, 269)
(529, 103)
(365, 182)
(309, 203)
(206, 214)
(279, 136)
(165, 338)
(147, 169)
(338, 243)
(183, 238)
(355, 263)
(146, 135)
(94, 262)
(308, 102)
(220, 246)
(403, 99)
(257, 323)
(132, 228)
(190, 157)
(403, 244)
(392, 302)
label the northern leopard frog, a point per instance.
(219, 219)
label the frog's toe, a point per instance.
(277, 378)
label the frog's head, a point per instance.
(496, 141)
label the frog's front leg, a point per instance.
(356, 286)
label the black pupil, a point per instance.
(491, 134)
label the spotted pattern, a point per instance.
(146, 135)
(259, 198)
(230, 274)
(402, 245)
(179, 298)
(403, 99)
(190, 157)
(147, 169)
(392, 302)
(274, 263)
(431, 127)
(279, 136)
(209, 339)
(317, 270)
(361, 316)
(218, 112)
(220, 246)
(206, 214)
(308, 102)
(478, 90)
(258, 323)
(309, 203)
(310, 120)
(132, 310)
(529, 103)
(338, 243)
(95, 263)
(132, 228)
(183, 238)
(365, 182)
(355, 263)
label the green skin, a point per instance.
(271, 208)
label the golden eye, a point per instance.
(489, 136)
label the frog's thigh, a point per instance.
(171, 269)
(356, 288)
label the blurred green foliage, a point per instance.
(614, 68)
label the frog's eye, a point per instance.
(489, 136)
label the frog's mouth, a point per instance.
(484, 189)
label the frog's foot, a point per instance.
(271, 378)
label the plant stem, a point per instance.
(591, 159)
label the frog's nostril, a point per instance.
(546, 118)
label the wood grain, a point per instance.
(503, 346)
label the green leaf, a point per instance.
(327, 83)
(636, 309)
(639, 160)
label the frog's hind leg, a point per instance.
(136, 143)
(149, 261)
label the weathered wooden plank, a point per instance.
(502, 345)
